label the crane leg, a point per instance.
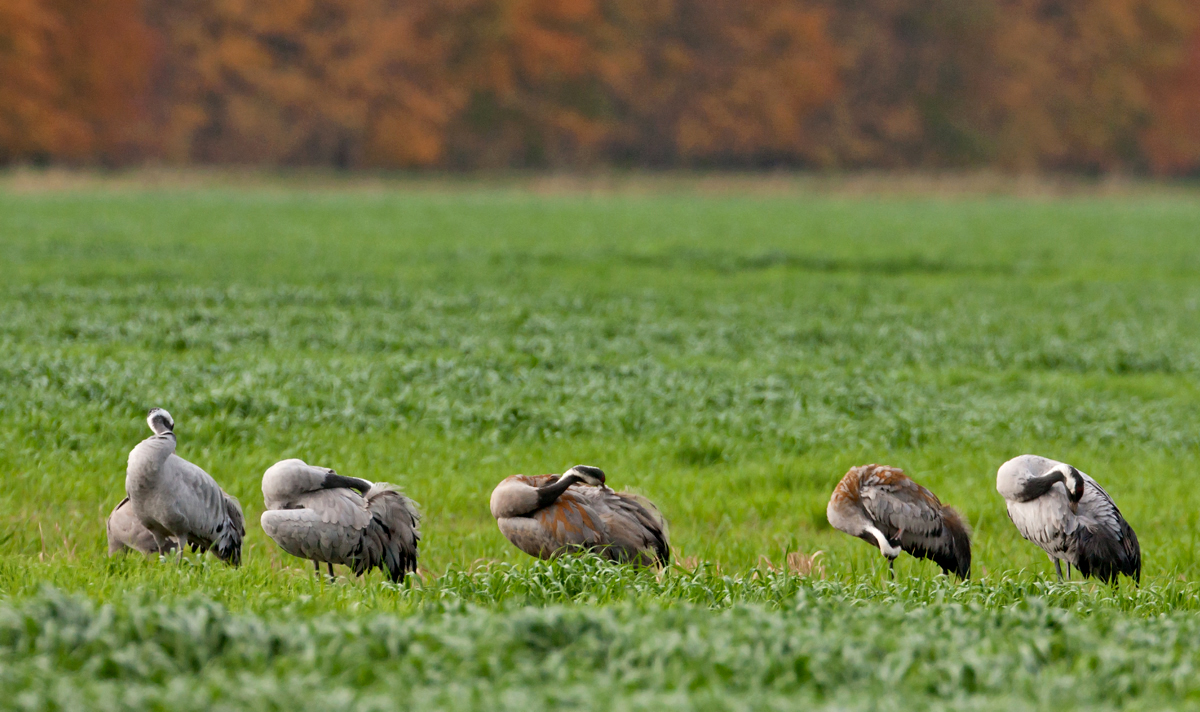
(1068, 570)
(332, 578)
(1058, 569)
(182, 545)
(892, 569)
(317, 567)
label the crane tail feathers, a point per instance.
(1106, 557)
(960, 538)
(951, 550)
(391, 539)
(228, 543)
(1133, 552)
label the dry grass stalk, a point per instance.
(798, 563)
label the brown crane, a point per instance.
(546, 515)
(884, 507)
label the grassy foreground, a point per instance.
(728, 357)
(829, 646)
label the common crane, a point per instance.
(1070, 516)
(315, 513)
(546, 515)
(171, 497)
(885, 508)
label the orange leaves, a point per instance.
(336, 82)
(29, 121)
(1093, 75)
(476, 82)
(756, 72)
(71, 75)
(551, 37)
(1022, 84)
(1172, 140)
(665, 81)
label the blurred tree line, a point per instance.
(1080, 85)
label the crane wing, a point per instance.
(895, 502)
(308, 534)
(572, 521)
(343, 507)
(233, 508)
(635, 525)
(391, 538)
(202, 502)
(566, 524)
(1107, 545)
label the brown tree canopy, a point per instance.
(73, 77)
(1092, 85)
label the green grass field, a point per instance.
(729, 356)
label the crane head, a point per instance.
(589, 475)
(160, 421)
(1073, 481)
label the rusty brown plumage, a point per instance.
(568, 515)
(886, 508)
(546, 515)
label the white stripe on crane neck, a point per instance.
(884, 545)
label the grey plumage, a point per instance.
(126, 532)
(172, 498)
(1070, 516)
(886, 508)
(316, 514)
(548, 514)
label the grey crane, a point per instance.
(1070, 516)
(315, 513)
(126, 532)
(172, 498)
(545, 515)
(885, 508)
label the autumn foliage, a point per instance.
(1093, 85)
(73, 77)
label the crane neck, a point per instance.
(549, 494)
(146, 461)
(889, 549)
(1035, 487)
(336, 481)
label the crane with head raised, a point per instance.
(172, 498)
